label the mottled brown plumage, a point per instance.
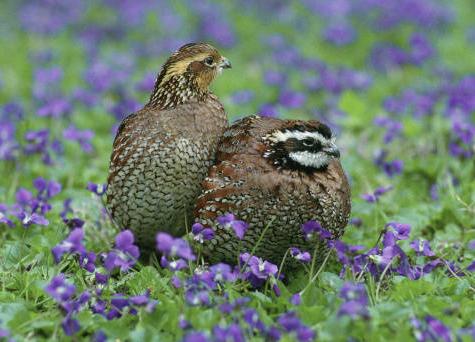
(162, 152)
(281, 173)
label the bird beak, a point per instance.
(225, 63)
(332, 150)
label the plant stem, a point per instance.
(318, 272)
(381, 279)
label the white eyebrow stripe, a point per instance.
(283, 136)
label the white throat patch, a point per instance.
(309, 159)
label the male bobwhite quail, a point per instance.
(161, 153)
(280, 173)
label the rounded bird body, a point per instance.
(162, 152)
(275, 175)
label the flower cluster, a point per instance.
(8, 145)
(374, 196)
(83, 137)
(119, 304)
(123, 256)
(430, 329)
(40, 142)
(248, 323)
(355, 301)
(63, 293)
(30, 209)
(391, 258)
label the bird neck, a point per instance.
(176, 90)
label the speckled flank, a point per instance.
(250, 186)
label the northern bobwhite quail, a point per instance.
(277, 172)
(161, 153)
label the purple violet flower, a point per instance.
(276, 78)
(176, 282)
(257, 270)
(292, 324)
(27, 219)
(99, 336)
(174, 247)
(124, 255)
(311, 227)
(222, 273)
(296, 299)
(3, 216)
(292, 99)
(38, 142)
(393, 128)
(242, 97)
(98, 189)
(173, 265)
(251, 317)
(183, 323)
(147, 83)
(144, 301)
(422, 247)
(300, 256)
(70, 325)
(431, 329)
(390, 168)
(356, 300)
(233, 332)
(196, 296)
(72, 244)
(4, 334)
(421, 48)
(196, 336)
(268, 110)
(339, 33)
(200, 233)
(82, 137)
(229, 221)
(374, 197)
(87, 261)
(59, 289)
(401, 230)
(55, 107)
(101, 278)
(8, 145)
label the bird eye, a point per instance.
(308, 142)
(209, 61)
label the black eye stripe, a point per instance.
(315, 146)
(295, 145)
(309, 141)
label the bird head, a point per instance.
(305, 146)
(187, 73)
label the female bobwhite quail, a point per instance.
(280, 173)
(162, 153)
